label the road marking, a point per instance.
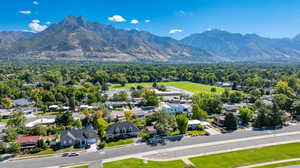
(173, 149)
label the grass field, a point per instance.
(280, 164)
(224, 160)
(120, 142)
(137, 163)
(184, 85)
(248, 157)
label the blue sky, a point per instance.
(270, 18)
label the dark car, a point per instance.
(73, 154)
(65, 155)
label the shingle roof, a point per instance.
(79, 134)
(111, 129)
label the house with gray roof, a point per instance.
(121, 130)
(78, 137)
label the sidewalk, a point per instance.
(270, 163)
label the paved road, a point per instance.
(142, 148)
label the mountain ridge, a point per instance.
(76, 38)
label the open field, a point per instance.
(184, 85)
(280, 164)
(248, 157)
(138, 163)
(224, 160)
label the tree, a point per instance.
(41, 144)
(212, 104)
(7, 103)
(39, 130)
(64, 119)
(198, 113)
(128, 115)
(165, 123)
(283, 101)
(14, 147)
(230, 122)
(17, 121)
(149, 98)
(182, 123)
(77, 124)
(3, 147)
(101, 124)
(11, 135)
(121, 96)
(246, 115)
(282, 87)
(296, 107)
(235, 97)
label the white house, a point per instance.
(193, 124)
(174, 108)
(43, 121)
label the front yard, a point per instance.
(120, 142)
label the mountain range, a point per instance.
(76, 38)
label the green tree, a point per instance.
(165, 123)
(39, 130)
(17, 120)
(282, 87)
(77, 124)
(230, 122)
(198, 113)
(14, 147)
(296, 107)
(7, 103)
(246, 115)
(64, 119)
(182, 123)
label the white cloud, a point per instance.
(35, 26)
(116, 18)
(134, 21)
(147, 21)
(25, 12)
(209, 29)
(48, 23)
(173, 31)
(35, 3)
(35, 21)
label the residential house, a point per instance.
(194, 124)
(121, 130)
(234, 108)
(28, 142)
(22, 102)
(78, 137)
(175, 108)
(42, 121)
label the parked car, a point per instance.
(73, 154)
(65, 155)
(70, 154)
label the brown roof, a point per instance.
(25, 139)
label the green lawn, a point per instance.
(224, 160)
(184, 85)
(248, 157)
(138, 163)
(280, 164)
(79, 166)
(120, 142)
(4, 120)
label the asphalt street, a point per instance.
(143, 148)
